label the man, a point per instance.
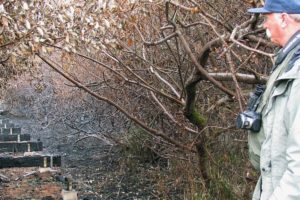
(275, 149)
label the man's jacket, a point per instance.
(275, 150)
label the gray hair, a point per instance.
(296, 17)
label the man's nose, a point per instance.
(264, 24)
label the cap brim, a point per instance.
(258, 10)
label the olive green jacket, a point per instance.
(275, 150)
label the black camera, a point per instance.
(249, 119)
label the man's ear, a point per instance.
(284, 19)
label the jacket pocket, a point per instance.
(280, 89)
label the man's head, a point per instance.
(282, 19)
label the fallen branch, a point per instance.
(245, 78)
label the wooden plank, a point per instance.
(9, 131)
(20, 146)
(30, 161)
(15, 137)
(9, 125)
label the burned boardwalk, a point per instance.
(18, 150)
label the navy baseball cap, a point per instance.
(278, 6)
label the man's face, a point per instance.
(273, 25)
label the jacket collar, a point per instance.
(293, 68)
(293, 73)
(290, 45)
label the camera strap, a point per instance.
(258, 99)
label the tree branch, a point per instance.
(101, 98)
(200, 67)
